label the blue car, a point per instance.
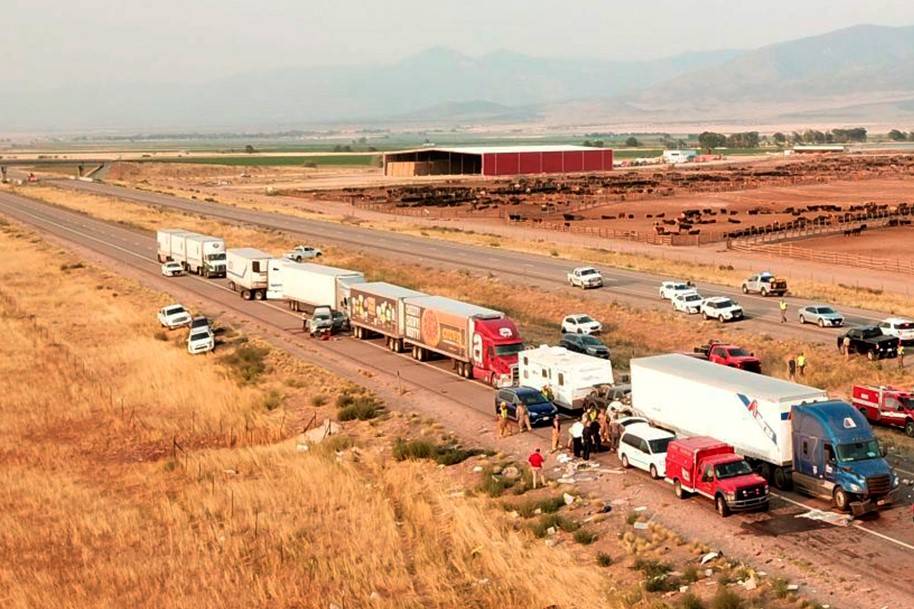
(540, 409)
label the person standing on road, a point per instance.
(615, 432)
(520, 412)
(782, 305)
(304, 323)
(503, 419)
(536, 466)
(801, 364)
(846, 347)
(791, 368)
(900, 356)
(587, 442)
(603, 420)
(577, 438)
(556, 433)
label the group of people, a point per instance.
(796, 366)
(522, 418)
(597, 430)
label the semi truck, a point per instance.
(166, 239)
(482, 343)
(204, 255)
(305, 286)
(791, 434)
(247, 270)
(380, 308)
(571, 377)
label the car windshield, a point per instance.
(659, 446)
(733, 469)
(692, 297)
(723, 304)
(510, 349)
(825, 310)
(583, 319)
(858, 451)
(175, 311)
(199, 336)
(739, 352)
(531, 397)
(588, 271)
(322, 316)
(681, 286)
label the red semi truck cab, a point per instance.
(496, 343)
(886, 405)
(711, 468)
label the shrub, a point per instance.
(585, 537)
(423, 449)
(318, 400)
(247, 362)
(161, 335)
(726, 599)
(690, 601)
(362, 408)
(492, 485)
(541, 527)
(632, 517)
(690, 574)
(549, 505)
(651, 568)
(273, 400)
(779, 587)
(604, 559)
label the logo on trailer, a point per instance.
(477, 350)
(752, 407)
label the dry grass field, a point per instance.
(97, 511)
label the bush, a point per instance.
(423, 449)
(604, 559)
(541, 527)
(273, 400)
(726, 599)
(549, 505)
(492, 485)
(651, 568)
(779, 587)
(362, 408)
(247, 362)
(632, 517)
(690, 601)
(585, 537)
(161, 335)
(318, 400)
(690, 574)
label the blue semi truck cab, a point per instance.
(837, 457)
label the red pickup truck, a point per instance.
(730, 355)
(886, 405)
(711, 468)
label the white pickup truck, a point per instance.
(302, 252)
(585, 277)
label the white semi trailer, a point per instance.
(165, 238)
(247, 270)
(306, 286)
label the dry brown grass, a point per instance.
(95, 512)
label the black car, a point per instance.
(870, 340)
(340, 322)
(540, 409)
(586, 344)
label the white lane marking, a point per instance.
(856, 525)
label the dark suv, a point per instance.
(540, 409)
(586, 344)
(870, 341)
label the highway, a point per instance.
(886, 541)
(635, 288)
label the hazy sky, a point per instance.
(44, 41)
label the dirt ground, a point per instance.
(892, 243)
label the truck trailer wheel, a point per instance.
(782, 480)
(840, 499)
(259, 295)
(722, 508)
(246, 294)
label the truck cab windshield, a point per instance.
(732, 470)
(510, 349)
(858, 451)
(215, 257)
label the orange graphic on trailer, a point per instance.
(439, 330)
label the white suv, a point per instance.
(668, 289)
(687, 302)
(644, 447)
(721, 308)
(901, 328)
(174, 316)
(581, 324)
(200, 340)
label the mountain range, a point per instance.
(861, 74)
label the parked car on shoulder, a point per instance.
(173, 316)
(579, 323)
(172, 269)
(644, 447)
(687, 302)
(200, 340)
(200, 322)
(585, 277)
(823, 315)
(870, 341)
(586, 344)
(538, 406)
(721, 308)
(604, 396)
(340, 321)
(733, 356)
(765, 284)
(669, 288)
(302, 252)
(899, 327)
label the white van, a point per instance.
(644, 447)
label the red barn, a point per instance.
(497, 160)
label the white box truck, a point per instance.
(164, 238)
(570, 376)
(179, 246)
(204, 255)
(379, 308)
(306, 285)
(247, 270)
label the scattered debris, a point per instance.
(569, 499)
(641, 526)
(511, 472)
(839, 520)
(708, 557)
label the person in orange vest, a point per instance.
(783, 308)
(901, 356)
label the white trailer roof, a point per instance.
(725, 377)
(455, 307)
(321, 269)
(248, 252)
(386, 290)
(561, 358)
(172, 231)
(199, 237)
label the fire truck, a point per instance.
(886, 405)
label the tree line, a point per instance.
(709, 140)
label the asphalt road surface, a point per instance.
(639, 289)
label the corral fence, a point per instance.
(790, 250)
(830, 226)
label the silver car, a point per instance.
(820, 314)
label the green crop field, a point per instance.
(365, 160)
